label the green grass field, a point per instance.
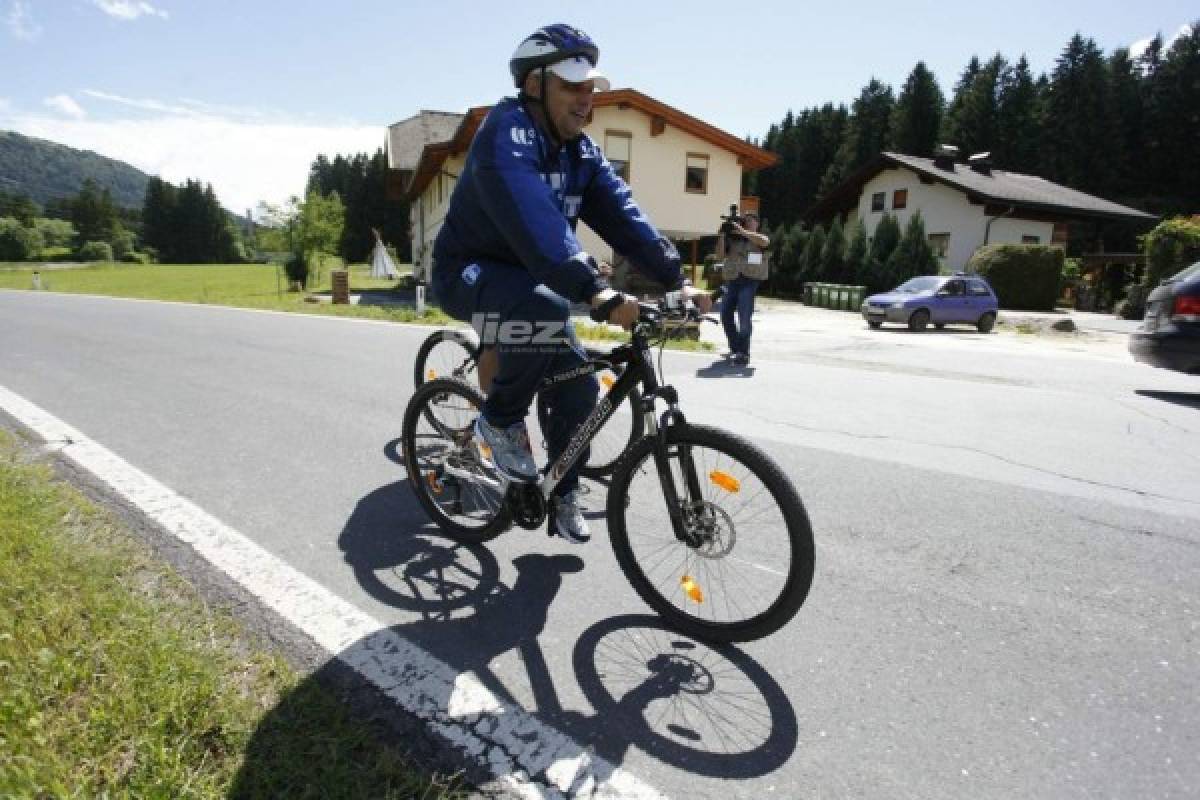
(247, 286)
(242, 285)
(117, 680)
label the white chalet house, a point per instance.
(965, 206)
(684, 173)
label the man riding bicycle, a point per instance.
(507, 252)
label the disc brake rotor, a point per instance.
(713, 528)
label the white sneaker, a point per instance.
(510, 450)
(569, 522)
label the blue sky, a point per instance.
(244, 94)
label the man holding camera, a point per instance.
(743, 249)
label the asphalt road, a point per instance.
(1005, 602)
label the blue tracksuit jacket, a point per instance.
(518, 201)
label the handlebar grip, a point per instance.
(602, 312)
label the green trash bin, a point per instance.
(843, 297)
(856, 297)
(823, 295)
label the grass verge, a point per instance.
(261, 286)
(116, 680)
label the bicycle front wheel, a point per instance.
(744, 564)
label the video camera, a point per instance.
(728, 220)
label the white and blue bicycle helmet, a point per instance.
(567, 52)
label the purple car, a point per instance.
(938, 299)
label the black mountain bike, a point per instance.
(705, 526)
(454, 353)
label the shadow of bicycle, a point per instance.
(708, 710)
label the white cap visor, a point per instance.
(578, 69)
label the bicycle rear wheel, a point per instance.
(448, 353)
(623, 428)
(749, 563)
(458, 488)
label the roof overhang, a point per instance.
(844, 197)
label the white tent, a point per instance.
(382, 265)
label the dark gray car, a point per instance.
(1170, 334)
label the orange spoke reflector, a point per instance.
(691, 589)
(431, 476)
(724, 480)
(432, 375)
(608, 381)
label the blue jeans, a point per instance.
(509, 293)
(739, 299)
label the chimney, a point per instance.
(981, 163)
(944, 156)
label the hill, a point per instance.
(48, 171)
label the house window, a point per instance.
(696, 178)
(1031, 240)
(617, 148)
(877, 201)
(899, 199)
(940, 243)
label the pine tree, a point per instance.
(856, 255)
(866, 135)
(1081, 138)
(93, 214)
(1171, 122)
(883, 243)
(814, 247)
(913, 256)
(833, 254)
(1018, 129)
(158, 218)
(972, 121)
(917, 116)
(950, 120)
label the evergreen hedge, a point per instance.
(1024, 276)
(1171, 246)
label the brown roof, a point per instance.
(434, 154)
(997, 187)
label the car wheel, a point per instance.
(986, 322)
(918, 320)
(874, 325)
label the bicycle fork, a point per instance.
(687, 467)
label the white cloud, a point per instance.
(1139, 47)
(63, 104)
(20, 21)
(129, 9)
(245, 161)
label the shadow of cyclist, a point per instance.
(708, 710)
(725, 368)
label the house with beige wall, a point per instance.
(965, 206)
(684, 172)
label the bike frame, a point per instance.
(640, 370)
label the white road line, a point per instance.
(530, 758)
